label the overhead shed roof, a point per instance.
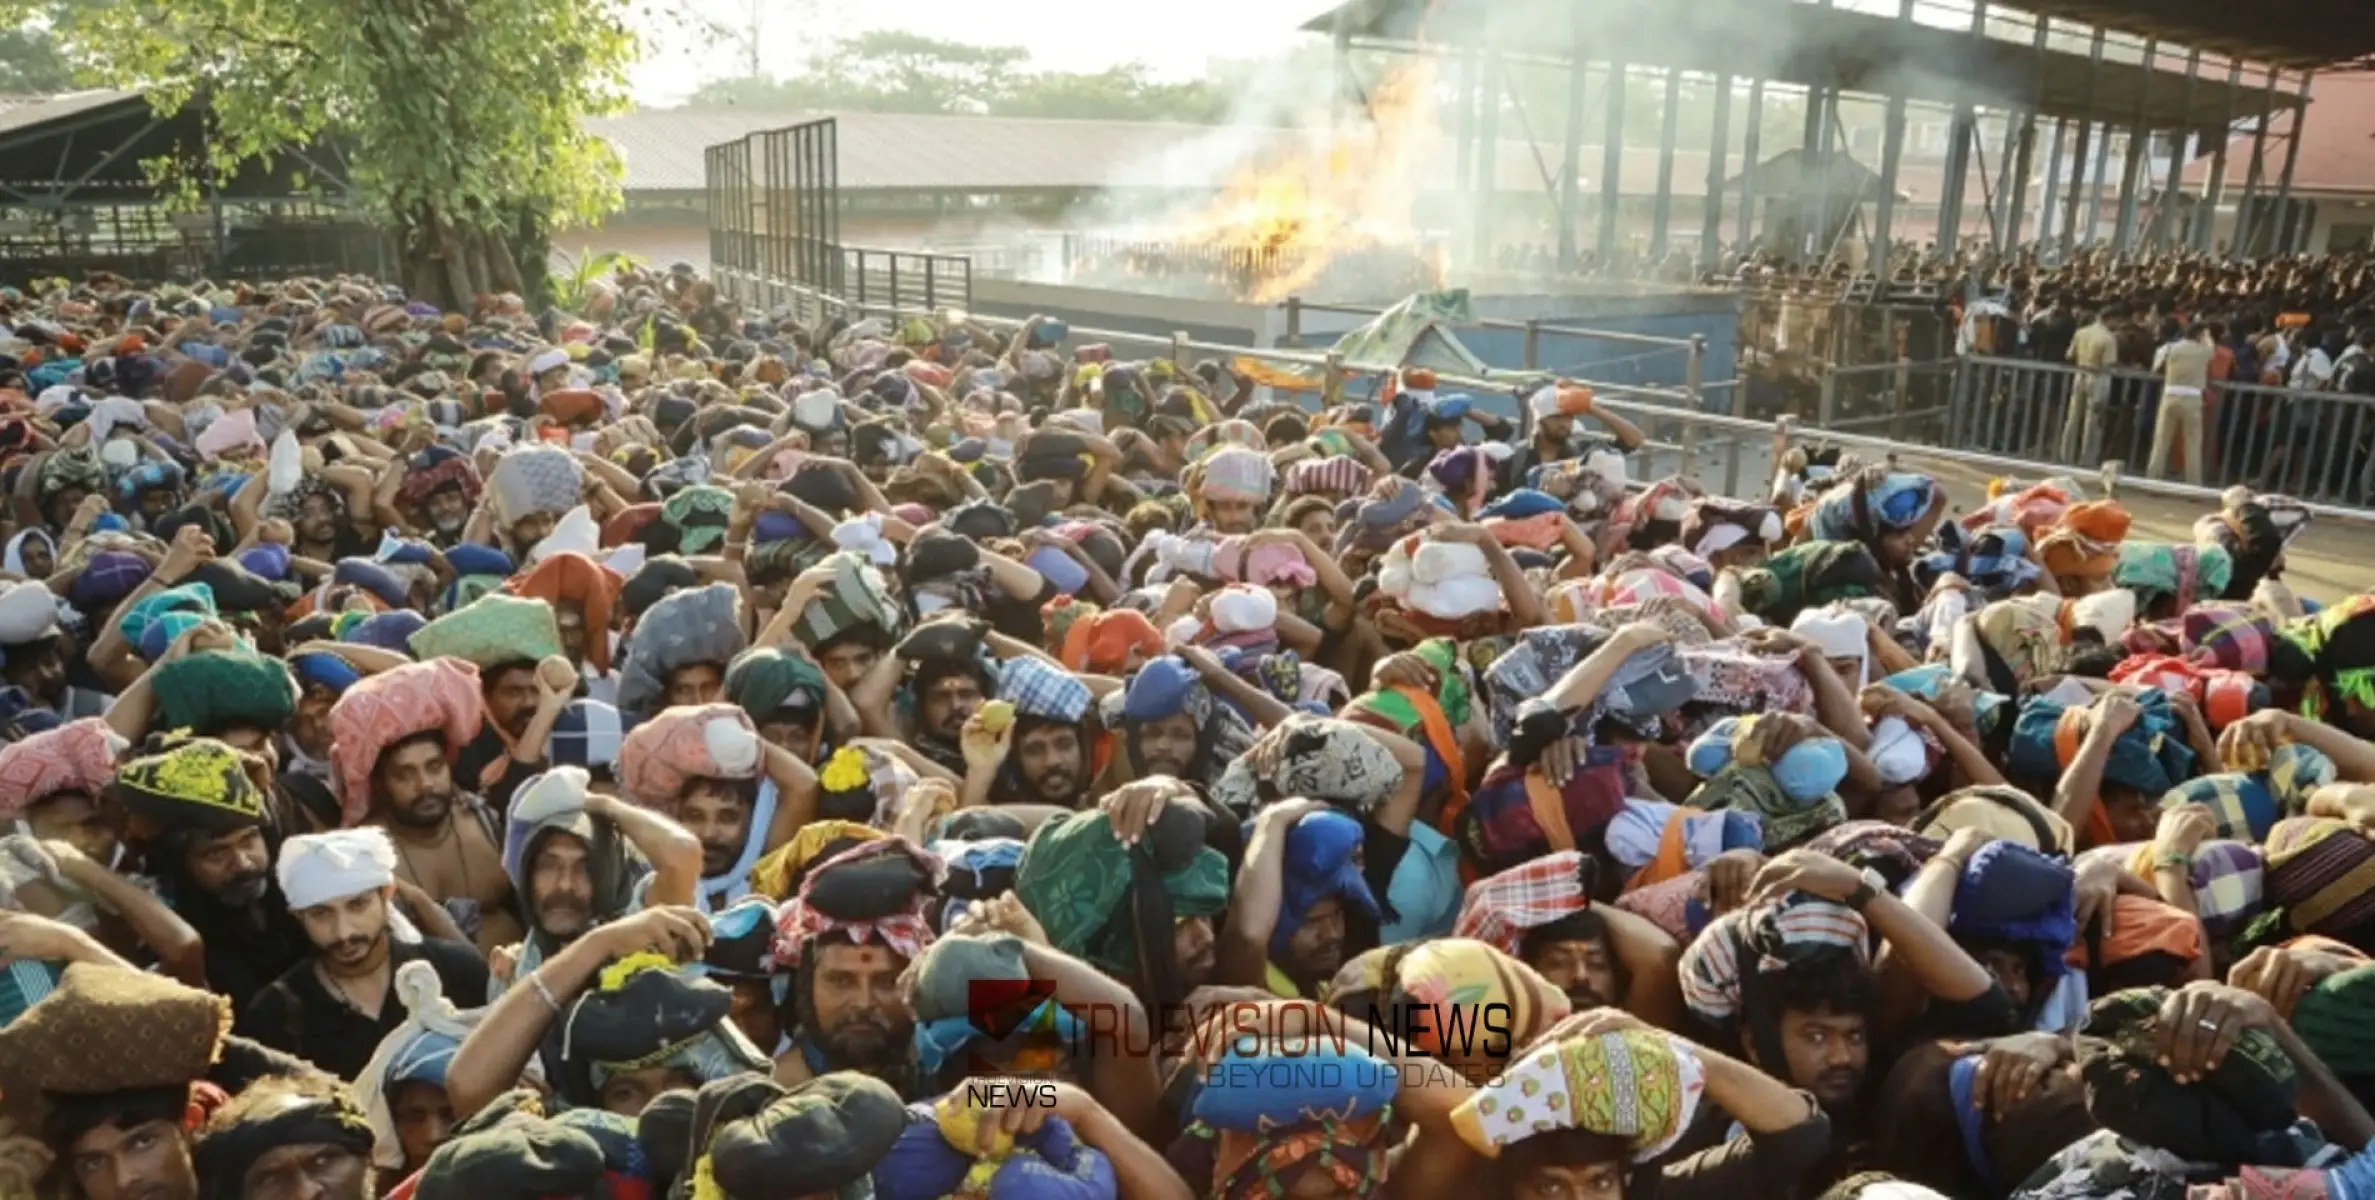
(1789, 41)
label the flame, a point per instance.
(1293, 215)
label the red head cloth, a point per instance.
(1101, 644)
(439, 695)
(75, 757)
(571, 578)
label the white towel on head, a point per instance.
(1840, 634)
(1242, 608)
(546, 361)
(28, 611)
(284, 469)
(1898, 751)
(864, 534)
(575, 531)
(2108, 613)
(323, 868)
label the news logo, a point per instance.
(1007, 1012)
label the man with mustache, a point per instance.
(1599, 954)
(194, 807)
(565, 851)
(397, 736)
(1045, 757)
(436, 493)
(335, 1007)
(851, 1012)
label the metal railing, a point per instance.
(2315, 445)
(906, 278)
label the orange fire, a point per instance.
(1300, 211)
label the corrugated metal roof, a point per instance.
(28, 111)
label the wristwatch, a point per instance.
(1862, 895)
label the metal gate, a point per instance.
(799, 209)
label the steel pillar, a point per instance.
(1752, 138)
(1571, 177)
(2246, 230)
(1662, 215)
(2078, 156)
(1488, 142)
(2288, 233)
(1711, 207)
(1612, 162)
(2131, 167)
(2214, 191)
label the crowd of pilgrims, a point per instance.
(615, 753)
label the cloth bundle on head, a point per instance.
(960, 1007)
(108, 1029)
(858, 596)
(572, 578)
(2151, 756)
(1439, 975)
(79, 756)
(1321, 863)
(1039, 689)
(2321, 874)
(770, 684)
(324, 868)
(1116, 905)
(876, 890)
(2178, 570)
(938, 1155)
(1335, 474)
(1450, 581)
(508, 1150)
(2223, 1118)
(644, 1011)
(2000, 812)
(1168, 687)
(1322, 760)
(2337, 1020)
(2331, 654)
(1103, 643)
(2007, 644)
(1722, 964)
(2247, 804)
(418, 1050)
(1641, 1085)
(1808, 573)
(197, 784)
(439, 696)
(1793, 793)
(753, 1139)
(1236, 473)
(686, 628)
(435, 469)
(528, 480)
(492, 631)
(1715, 524)
(2085, 541)
(664, 754)
(1500, 910)
(1838, 633)
(2011, 893)
(780, 874)
(1873, 503)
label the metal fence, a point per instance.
(2315, 445)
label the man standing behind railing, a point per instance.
(2185, 375)
(2094, 351)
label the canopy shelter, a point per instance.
(76, 195)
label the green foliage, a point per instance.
(458, 115)
(31, 63)
(897, 72)
(573, 279)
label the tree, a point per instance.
(30, 64)
(461, 117)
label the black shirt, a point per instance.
(297, 1014)
(243, 955)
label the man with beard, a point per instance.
(196, 808)
(1170, 725)
(565, 852)
(858, 921)
(436, 492)
(1231, 487)
(1542, 914)
(1046, 749)
(334, 1008)
(1555, 407)
(1301, 902)
(321, 511)
(396, 737)
(953, 677)
(1081, 875)
(735, 796)
(528, 491)
(584, 594)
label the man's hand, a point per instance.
(2200, 1022)
(2282, 976)
(1730, 876)
(1133, 808)
(680, 933)
(2012, 1069)
(2247, 744)
(1562, 759)
(2116, 713)
(93, 507)
(2098, 891)
(1963, 844)
(1806, 871)
(984, 749)
(1075, 1106)
(1767, 639)
(1460, 532)
(1001, 914)
(191, 546)
(2183, 829)
(1404, 669)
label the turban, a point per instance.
(108, 1030)
(2220, 1119)
(664, 754)
(1715, 525)
(1873, 503)
(1320, 865)
(1501, 909)
(1639, 1085)
(492, 631)
(535, 479)
(1236, 473)
(752, 1138)
(223, 1157)
(439, 696)
(682, 630)
(1336, 474)
(420, 1050)
(1102, 642)
(75, 757)
(766, 682)
(1764, 938)
(876, 890)
(1038, 688)
(323, 868)
(572, 578)
(1113, 904)
(198, 784)
(435, 469)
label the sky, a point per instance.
(1072, 35)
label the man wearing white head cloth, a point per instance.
(336, 1006)
(1233, 486)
